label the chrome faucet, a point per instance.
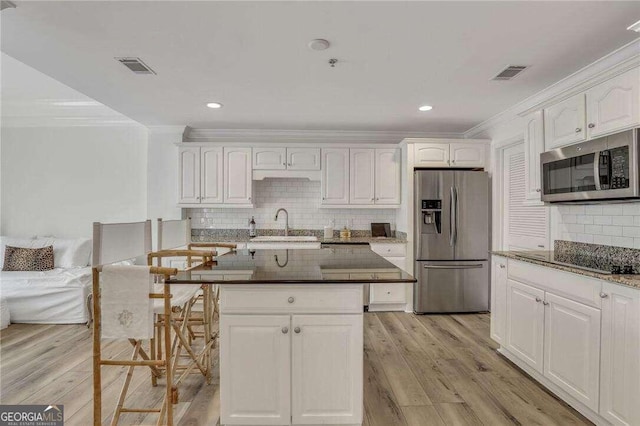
(286, 222)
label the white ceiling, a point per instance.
(253, 58)
(30, 97)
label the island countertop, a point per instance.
(342, 264)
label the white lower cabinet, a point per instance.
(498, 298)
(578, 336)
(255, 368)
(299, 362)
(620, 355)
(572, 348)
(525, 323)
(326, 366)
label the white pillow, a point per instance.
(69, 253)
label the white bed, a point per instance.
(57, 296)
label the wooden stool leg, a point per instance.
(125, 385)
(167, 341)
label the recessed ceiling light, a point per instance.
(425, 108)
(214, 105)
(319, 44)
(635, 27)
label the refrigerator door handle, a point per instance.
(475, 266)
(451, 217)
(455, 219)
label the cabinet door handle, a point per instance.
(285, 330)
(538, 190)
(591, 125)
(289, 164)
(538, 300)
(578, 129)
(502, 266)
(291, 300)
(540, 245)
(297, 330)
(545, 303)
(284, 164)
(604, 295)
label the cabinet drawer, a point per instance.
(387, 293)
(267, 298)
(389, 250)
(576, 287)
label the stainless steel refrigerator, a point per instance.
(452, 227)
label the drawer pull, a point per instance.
(502, 266)
(538, 300)
(545, 303)
(291, 300)
(297, 330)
(604, 295)
(285, 330)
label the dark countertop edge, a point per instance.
(293, 281)
(616, 279)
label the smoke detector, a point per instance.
(136, 65)
(319, 44)
(510, 72)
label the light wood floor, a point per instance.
(418, 370)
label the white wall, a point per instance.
(58, 180)
(301, 198)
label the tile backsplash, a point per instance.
(300, 197)
(609, 224)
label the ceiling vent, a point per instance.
(510, 72)
(136, 65)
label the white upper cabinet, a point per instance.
(620, 362)
(286, 158)
(614, 104)
(431, 154)
(326, 369)
(303, 158)
(362, 173)
(467, 154)
(237, 175)
(449, 153)
(572, 348)
(211, 176)
(269, 158)
(189, 175)
(533, 147)
(387, 176)
(335, 176)
(564, 122)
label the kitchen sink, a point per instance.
(282, 238)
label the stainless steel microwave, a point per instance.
(601, 169)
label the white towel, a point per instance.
(127, 310)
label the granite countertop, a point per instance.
(307, 266)
(353, 240)
(550, 259)
(242, 236)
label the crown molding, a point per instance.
(610, 65)
(304, 136)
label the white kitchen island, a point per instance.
(291, 335)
